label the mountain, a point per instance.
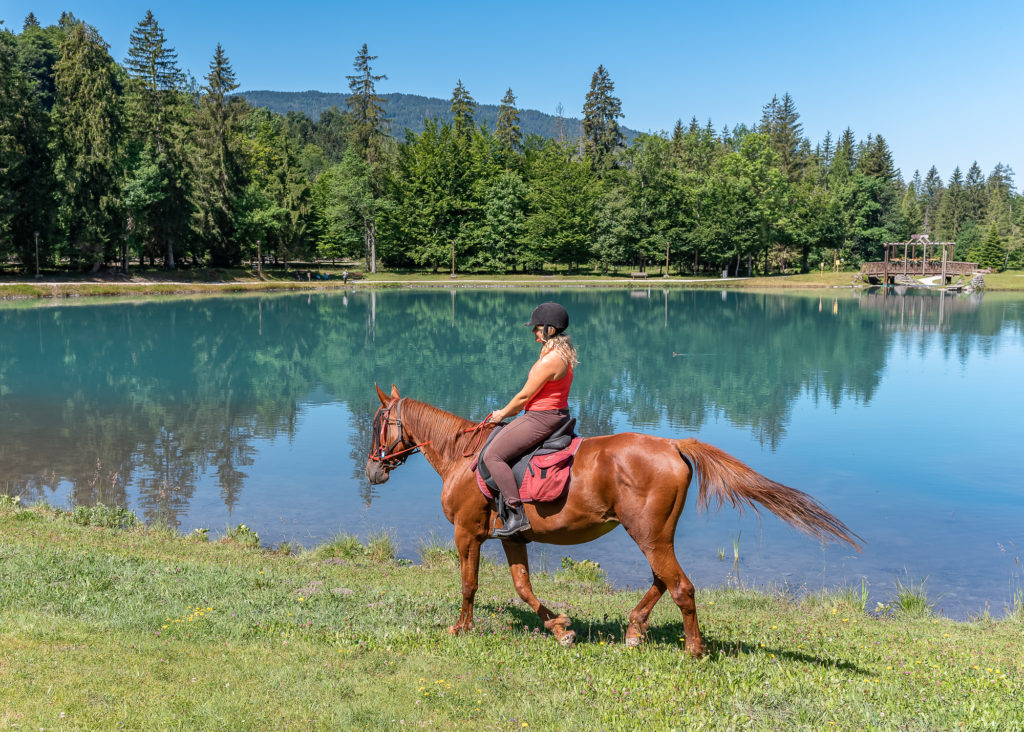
(407, 111)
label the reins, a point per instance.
(388, 455)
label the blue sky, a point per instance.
(941, 80)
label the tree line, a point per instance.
(105, 163)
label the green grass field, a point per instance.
(140, 628)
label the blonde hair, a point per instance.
(561, 344)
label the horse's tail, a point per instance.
(722, 477)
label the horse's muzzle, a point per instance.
(376, 473)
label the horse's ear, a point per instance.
(394, 392)
(381, 395)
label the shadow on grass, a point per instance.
(609, 629)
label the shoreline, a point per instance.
(68, 287)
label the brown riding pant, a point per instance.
(523, 433)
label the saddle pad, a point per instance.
(543, 478)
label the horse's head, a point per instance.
(390, 444)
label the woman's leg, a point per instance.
(525, 432)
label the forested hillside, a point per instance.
(106, 161)
(408, 112)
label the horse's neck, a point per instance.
(442, 429)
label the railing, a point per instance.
(918, 269)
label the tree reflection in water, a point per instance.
(132, 403)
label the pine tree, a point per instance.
(931, 198)
(602, 136)
(153, 66)
(992, 252)
(876, 160)
(951, 210)
(910, 207)
(781, 122)
(999, 198)
(845, 158)
(463, 108)
(507, 133)
(219, 168)
(368, 145)
(366, 108)
(87, 135)
(38, 50)
(30, 22)
(975, 194)
(156, 110)
(26, 179)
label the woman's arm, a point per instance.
(549, 368)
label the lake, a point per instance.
(901, 412)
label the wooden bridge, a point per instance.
(911, 263)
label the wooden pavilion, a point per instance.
(920, 257)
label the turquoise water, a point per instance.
(900, 412)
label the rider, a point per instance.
(545, 399)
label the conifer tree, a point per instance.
(931, 197)
(781, 122)
(601, 111)
(975, 194)
(951, 210)
(156, 111)
(366, 108)
(876, 160)
(463, 108)
(26, 169)
(846, 153)
(219, 168)
(910, 207)
(87, 134)
(30, 22)
(38, 50)
(992, 252)
(368, 146)
(508, 133)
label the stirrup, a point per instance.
(514, 522)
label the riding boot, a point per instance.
(514, 522)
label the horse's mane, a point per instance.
(443, 429)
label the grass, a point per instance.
(144, 629)
(912, 598)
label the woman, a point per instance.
(545, 399)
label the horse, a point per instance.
(636, 480)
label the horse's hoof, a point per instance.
(568, 639)
(633, 642)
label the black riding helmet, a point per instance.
(550, 313)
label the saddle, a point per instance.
(541, 474)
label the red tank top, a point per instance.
(553, 395)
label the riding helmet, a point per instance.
(550, 313)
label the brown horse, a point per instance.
(636, 480)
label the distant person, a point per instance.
(344, 276)
(545, 397)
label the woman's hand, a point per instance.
(494, 417)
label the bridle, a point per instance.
(384, 453)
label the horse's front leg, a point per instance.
(467, 542)
(518, 562)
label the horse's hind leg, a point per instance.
(637, 628)
(518, 563)
(666, 568)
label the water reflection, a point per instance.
(137, 403)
